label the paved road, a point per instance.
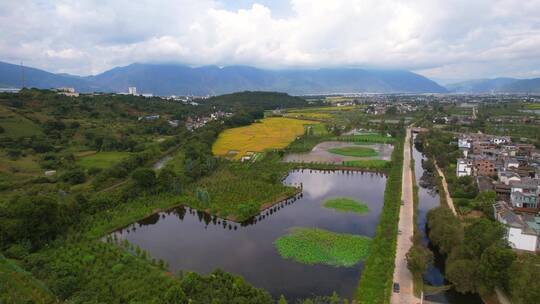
(402, 275)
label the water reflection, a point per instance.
(428, 196)
(192, 240)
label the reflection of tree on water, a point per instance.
(208, 219)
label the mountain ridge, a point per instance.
(173, 79)
(496, 85)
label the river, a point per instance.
(429, 198)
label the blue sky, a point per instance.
(445, 40)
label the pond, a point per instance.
(428, 198)
(194, 241)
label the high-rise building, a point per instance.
(132, 90)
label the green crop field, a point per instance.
(354, 151)
(345, 204)
(319, 246)
(102, 160)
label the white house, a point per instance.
(500, 140)
(511, 163)
(464, 143)
(506, 177)
(464, 167)
(522, 232)
(132, 90)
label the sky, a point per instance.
(444, 40)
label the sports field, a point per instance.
(269, 133)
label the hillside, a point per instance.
(161, 79)
(497, 85)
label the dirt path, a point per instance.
(402, 275)
(449, 200)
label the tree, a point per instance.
(166, 180)
(282, 300)
(144, 178)
(74, 176)
(462, 273)
(418, 259)
(480, 235)
(484, 201)
(524, 283)
(34, 218)
(175, 295)
(493, 268)
(445, 229)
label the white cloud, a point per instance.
(442, 39)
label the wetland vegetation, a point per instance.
(345, 204)
(319, 246)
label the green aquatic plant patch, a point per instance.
(354, 151)
(345, 204)
(319, 246)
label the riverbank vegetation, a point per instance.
(478, 259)
(376, 281)
(345, 204)
(319, 246)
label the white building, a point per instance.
(522, 232)
(464, 167)
(132, 90)
(500, 140)
(464, 143)
(506, 177)
(511, 163)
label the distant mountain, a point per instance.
(161, 79)
(497, 85)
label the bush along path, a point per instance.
(376, 282)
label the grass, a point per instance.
(319, 246)
(368, 164)
(17, 126)
(19, 286)
(345, 204)
(102, 160)
(354, 151)
(373, 138)
(376, 282)
(269, 133)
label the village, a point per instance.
(512, 170)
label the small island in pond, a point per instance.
(344, 204)
(319, 246)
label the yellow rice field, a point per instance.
(270, 133)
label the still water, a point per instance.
(194, 241)
(428, 198)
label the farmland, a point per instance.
(269, 133)
(15, 126)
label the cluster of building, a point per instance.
(512, 170)
(383, 107)
(197, 122)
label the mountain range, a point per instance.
(168, 79)
(496, 85)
